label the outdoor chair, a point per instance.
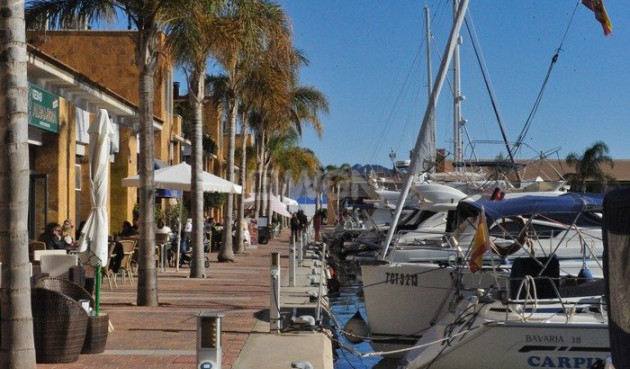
(134, 258)
(128, 247)
(65, 287)
(105, 271)
(59, 326)
(161, 243)
(97, 327)
(35, 245)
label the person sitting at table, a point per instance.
(52, 237)
(117, 255)
(162, 228)
(127, 230)
(66, 235)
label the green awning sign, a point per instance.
(43, 109)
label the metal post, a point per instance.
(209, 340)
(322, 275)
(301, 250)
(292, 264)
(275, 320)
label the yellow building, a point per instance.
(72, 74)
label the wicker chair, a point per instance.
(65, 287)
(125, 264)
(105, 271)
(59, 326)
(35, 245)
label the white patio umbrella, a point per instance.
(93, 242)
(276, 205)
(289, 201)
(179, 177)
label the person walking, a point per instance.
(295, 226)
(317, 224)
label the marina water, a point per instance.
(344, 305)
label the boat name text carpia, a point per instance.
(561, 362)
(402, 279)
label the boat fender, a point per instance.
(585, 275)
(355, 329)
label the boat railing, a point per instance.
(528, 303)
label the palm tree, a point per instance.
(18, 349)
(292, 163)
(589, 165)
(260, 34)
(336, 176)
(149, 18)
(304, 105)
(191, 40)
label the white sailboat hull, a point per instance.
(491, 341)
(402, 301)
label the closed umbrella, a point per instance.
(93, 242)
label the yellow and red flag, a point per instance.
(597, 6)
(480, 244)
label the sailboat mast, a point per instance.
(457, 98)
(431, 125)
(427, 18)
(417, 165)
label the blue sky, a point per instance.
(368, 58)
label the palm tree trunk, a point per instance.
(260, 151)
(197, 268)
(239, 248)
(267, 187)
(17, 346)
(147, 272)
(226, 253)
(339, 212)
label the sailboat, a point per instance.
(404, 300)
(483, 332)
(567, 227)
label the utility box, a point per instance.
(209, 340)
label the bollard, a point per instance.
(292, 264)
(209, 340)
(275, 320)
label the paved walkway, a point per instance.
(165, 336)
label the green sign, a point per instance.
(43, 109)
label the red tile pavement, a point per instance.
(165, 336)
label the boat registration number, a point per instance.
(401, 279)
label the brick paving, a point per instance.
(165, 336)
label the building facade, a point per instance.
(74, 74)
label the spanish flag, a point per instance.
(480, 244)
(597, 6)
